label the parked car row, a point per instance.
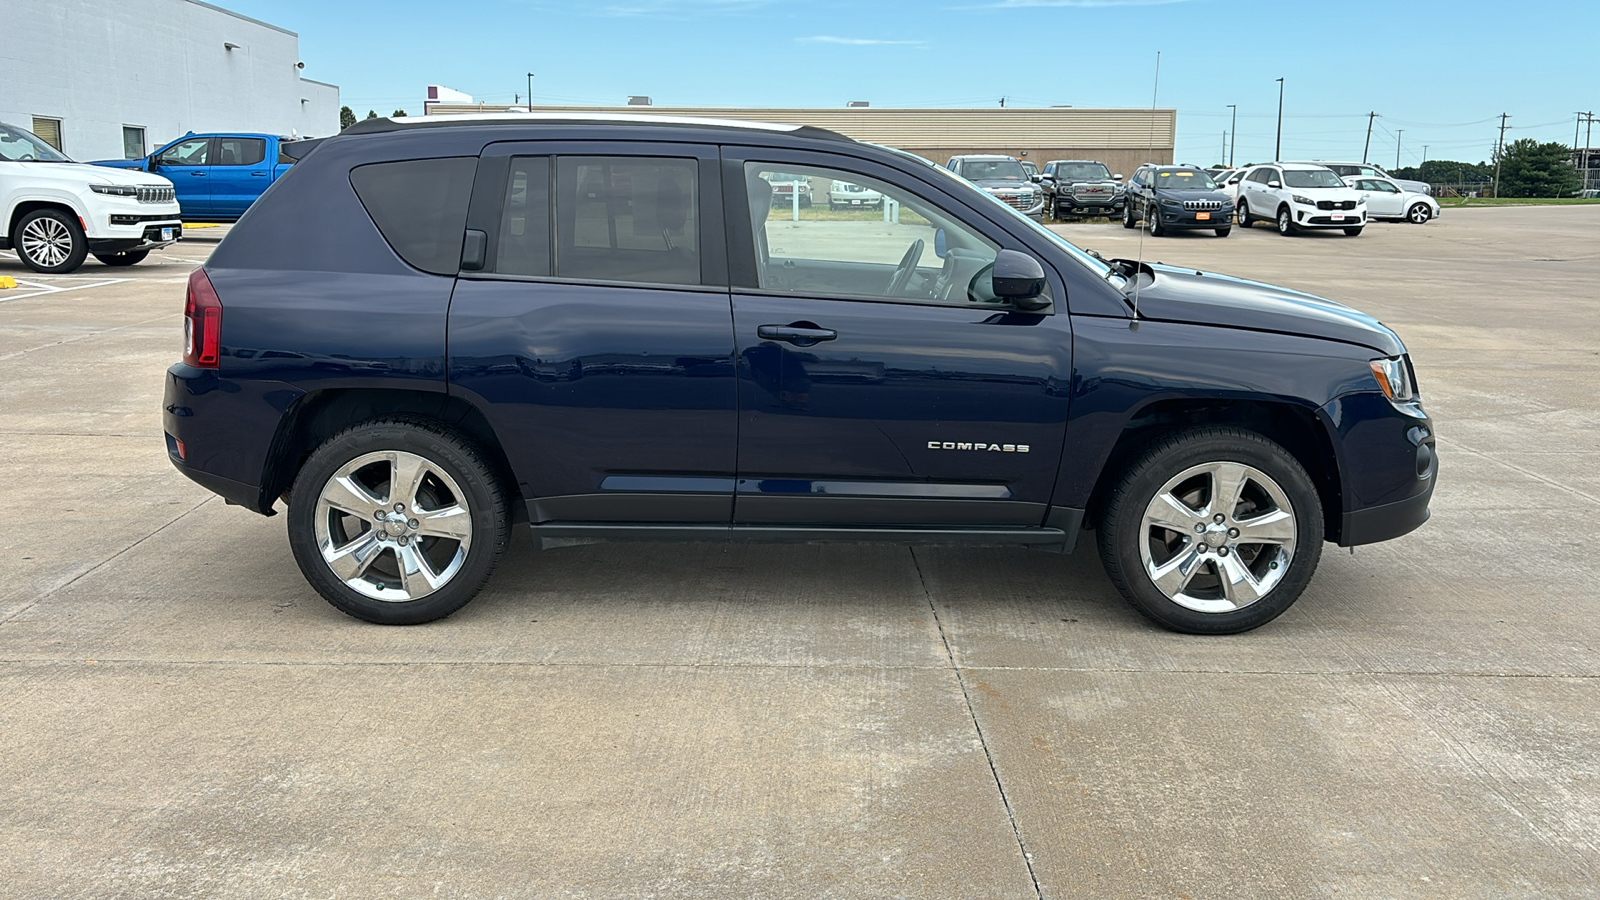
(55, 212)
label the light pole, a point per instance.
(1277, 151)
(530, 92)
(1397, 134)
(1234, 130)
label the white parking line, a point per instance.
(41, 288)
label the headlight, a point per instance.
(115, 190)
(1393, 375)
(1361, 201)
(1306, 200)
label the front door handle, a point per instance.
(801, 334)
(258, 174)
(197, 174)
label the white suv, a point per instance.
(54, 212)
(1298, 197)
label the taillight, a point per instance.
(202, 323)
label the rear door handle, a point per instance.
(801, 334)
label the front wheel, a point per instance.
(1352, 232)
(1152, 214)
(1285, 222)
(1419, 214)
(1128, 220)
(50, 241)
(129, 258)
(1244, 215)
(397, 521)
(1212, 531)
(1224, 232)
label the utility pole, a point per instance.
(1588, 119)
(1224, 146)
(1499, 152)
(1424, 154)
(1277, 151)
(530, 92)
(1002, 103)
(1234, 128)
(1368, 145)
(1397, 136)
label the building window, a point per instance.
(132, 142)
(48, 130)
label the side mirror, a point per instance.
(1117, 177)
(1035, 178)
(1274, 184)
(940, 247)
(1019, 279)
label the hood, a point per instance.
(90, 173)
(119, 163)
(1184, 295)
(1170, 194)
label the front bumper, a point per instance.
(148, 233)
(1092, 206)
(1311, 217)
(1188, 218)
(1388, 464)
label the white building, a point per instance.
(108, 79)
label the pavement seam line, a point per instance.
(43, 595)
(966, 697)
(82, 337)
(1516, 468)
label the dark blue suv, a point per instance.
(428, 332)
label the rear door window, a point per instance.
(233, 151)
(420, 206)
(629, 219)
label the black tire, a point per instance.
(832, 205)
(50, 241)
(1244, 215)
(1225, 231)
(1122, 528)
(451, 453)
(1128, 219)
(129, 258)
(1353, 232)
(1286, 222)
(1152, 214)
(805, 202)
(1419, 214)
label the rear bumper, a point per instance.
(219, 432)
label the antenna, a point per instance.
(1150, 152)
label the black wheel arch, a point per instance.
(319, 415)
(1294, 428)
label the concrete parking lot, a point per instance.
(181, 716)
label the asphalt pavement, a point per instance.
(181, 716)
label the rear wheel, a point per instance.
(1418, 214)
(1128, 220)
(397, 522)
(1285, 221)
(1212, 531)
(50, 241)
(128, 258)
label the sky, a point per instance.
(1439, 74)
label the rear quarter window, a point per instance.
(420, 207)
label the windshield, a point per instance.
(1184, 180)
(1083, 172)
(992, 170)
(17, 145)
(1312, 178)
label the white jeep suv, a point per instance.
(54, 212)
(1300, 197)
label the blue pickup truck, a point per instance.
(217, 176)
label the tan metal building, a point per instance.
(1121, 138)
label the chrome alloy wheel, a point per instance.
(1217, 537)
(46, 241)
(393, 526)
(1419, 214)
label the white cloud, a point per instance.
(856, 42)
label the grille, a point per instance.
(150, 193)
(1093, 193)
(1203, 204)
(122, 219)
(1328, 220)
(1336, 204)
(1020, 201)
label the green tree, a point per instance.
(371, 114)
(1531, 169)
(399, 112)
(1447, 171)
(347, 117)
